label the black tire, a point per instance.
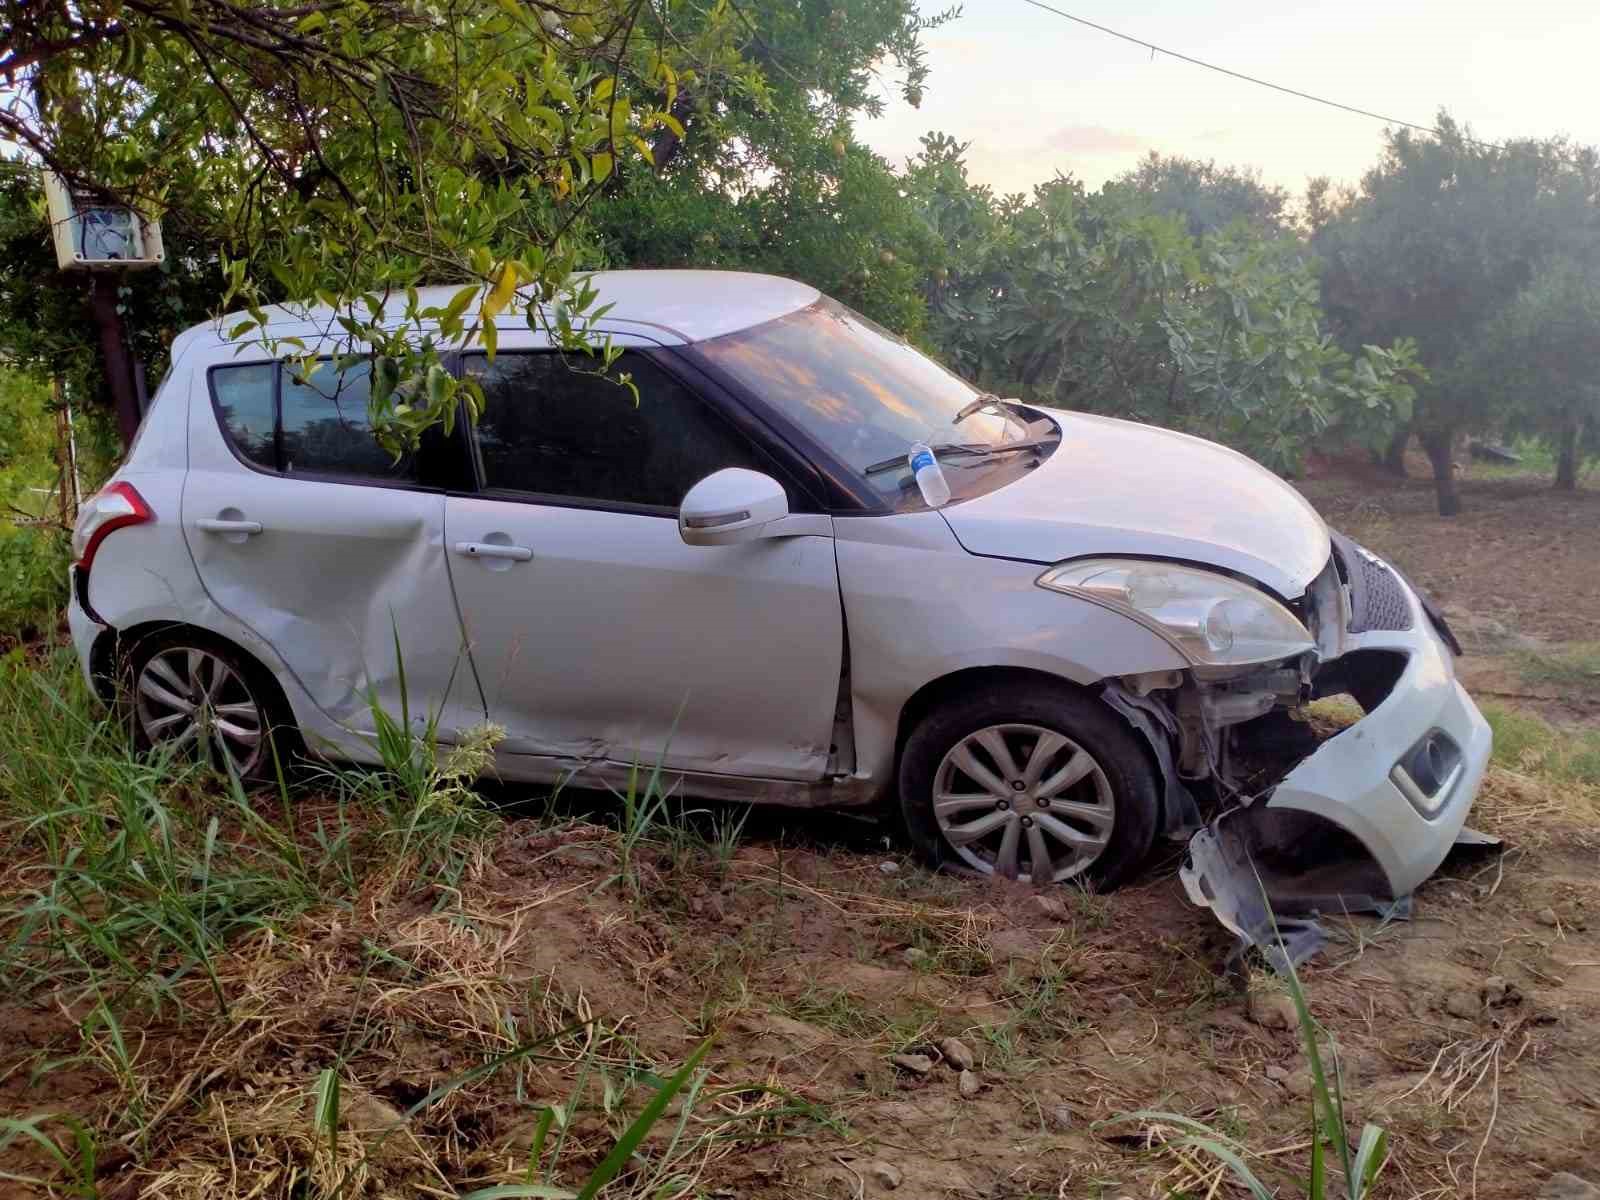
(1126, 781)
(153, 668)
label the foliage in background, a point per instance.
(1102, 302)
(1538, 356)
(33, 547)
(1440, 239)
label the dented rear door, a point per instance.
(307, 532)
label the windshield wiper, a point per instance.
(970, 449)
(984, 400)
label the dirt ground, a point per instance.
(816, 951)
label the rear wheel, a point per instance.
(199, 696)
(1029, 781)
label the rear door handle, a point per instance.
(494, 550)
(218, 525)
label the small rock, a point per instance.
(889, 868)
(969, 1084)
(957, 1054)
(697, 905)
(1547, 916)
(1463, 1004)
(916, 957)
(886, 1174)
(714, 910)
(1494, 990)
(916, 1064)
(1563, 1186)
(1007, 944)
(1276, 1073)
(1300, 1083)
(1049, 906)
(1061, 1117)
(1273, 1010)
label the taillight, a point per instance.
(113, 508)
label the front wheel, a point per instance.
(1029, 781)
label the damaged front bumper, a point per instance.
(1374, 809)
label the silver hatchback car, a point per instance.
(740, 577)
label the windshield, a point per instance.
(865, 394)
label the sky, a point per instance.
(1036, 94)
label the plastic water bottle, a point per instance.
(930, 479)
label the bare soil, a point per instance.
(818, 950)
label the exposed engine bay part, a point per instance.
(1180, 813)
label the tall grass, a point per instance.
(129, 874)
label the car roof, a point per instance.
(685, 306)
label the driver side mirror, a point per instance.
(731, 506)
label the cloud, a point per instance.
(1093, 139)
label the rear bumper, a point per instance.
(86, 632)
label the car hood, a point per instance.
(1119, 488)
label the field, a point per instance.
(388, 985)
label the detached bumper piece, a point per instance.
(1269, 899)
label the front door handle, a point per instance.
(218, 525)
(494, 550)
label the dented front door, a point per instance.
(596, 632)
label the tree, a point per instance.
(1541, 355)
(1443, 233)
(785, 188)
(1209, 197)
(347, 152)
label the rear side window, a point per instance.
(553, 428)
(316, 427)
(244, 398)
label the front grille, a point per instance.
(1377, 597)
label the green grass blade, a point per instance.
(522, 1191)
(325, 1117)
(1317, 1186)
(547, 1117)
(642, 1124)
(1176, 1120)
(1370, 1157)
(1228, 1155)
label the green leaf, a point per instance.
(600, 164)
(642, 1124)
(603, 89)
(458, 302)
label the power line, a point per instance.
(1266, 83)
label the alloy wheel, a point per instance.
(188, 698)
(1024, 802)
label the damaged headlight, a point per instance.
(1212, 619)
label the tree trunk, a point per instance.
(1438, 444)
(115, 359)
(1394, 458)
(1567, 456)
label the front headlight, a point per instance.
(1212, 619)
